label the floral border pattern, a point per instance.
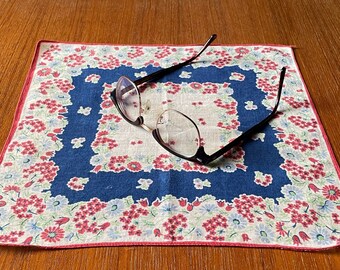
(307, 216)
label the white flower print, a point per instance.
(185, 75)
(250, 105)
(57, 203)
(93, 78)
(85, 111)
(237, 221)
(292, 192)
(144, 183)
(140, 74)
(114, 207)
(78, 142)
(229, 167)
(200, 184)
(264, 233)
(321, 236)
(263, 179)
(32, 227)
(235, 76)
(77, 183)
(259, 136)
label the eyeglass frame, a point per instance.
(201, 157)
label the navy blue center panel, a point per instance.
(109, 185)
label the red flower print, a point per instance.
(85, 218)
(183, 202)
(144, 202)
(270, 215)
(266, 65)
(116, 163)
(189, 166)
(230, 107)
(12, 237)
(195, 85)
(33, 125)
(309, 125)
(110, 118)
(296, 240)
(335, 218)
(310, 173)
(64, 85)
(331, 192)
(52, 234)
(134, 166)
(220, 203)
(313, 187)
(172, 88)
(133, 142)
(82, 48)
(156, 202)
(50, 105)
(76, 183)
(152, 62)
(235, 153)
(134, 213)
(46, 170)
(210, 88)
(241, 52)
(135, 52)
(304, 236)
(11, 188)
(26, 207)
(47, 55)
(26, 148)
(104, 226)
(228, 207)
(233, 125)
(157, 232)
(106, 104)
(302, 145)
(223, 59)
(103, 140)
(44, 72)
(163, 162)
(164, 52)
(263, 179)
(245, 237)
(199, 103)
(296, 104)
(74, 60)
(267, 87)
(271, 49)
(280, 230)
(245, 204)
(28, 240)
(61, 221)
(174, 226)
(2, 203)
(215, 228)
(109, 62)
(301, 213)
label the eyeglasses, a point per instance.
(175, 131)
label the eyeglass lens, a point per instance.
(178, 133)
(128, 99)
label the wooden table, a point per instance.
(313, 26)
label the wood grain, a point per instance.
(312, 26)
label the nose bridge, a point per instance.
(148, 129)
